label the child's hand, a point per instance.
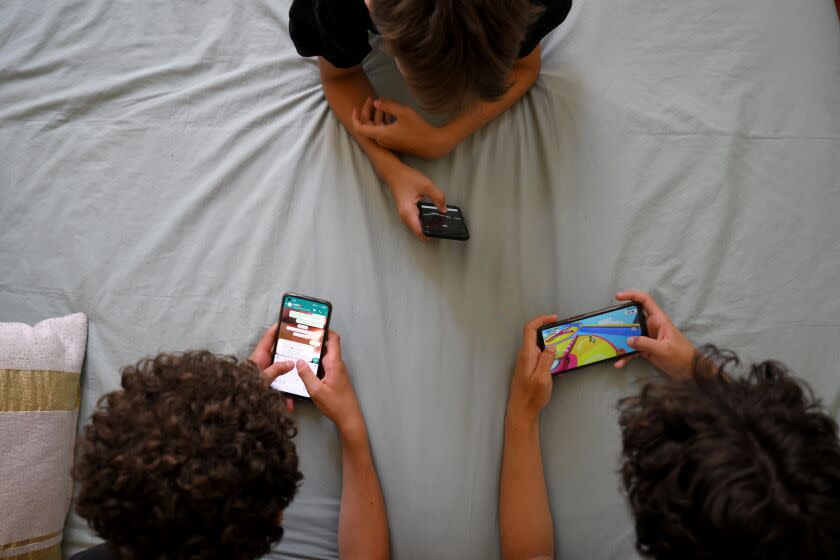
(334, 394)
(409, 186)
(263, 358)
(665, 346)
(530, 388)
(399, 128)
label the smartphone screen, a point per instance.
(303, 327)
(592, 338)
(450, 225)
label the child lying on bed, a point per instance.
(714, 467)
(465, 60)
(193, 458)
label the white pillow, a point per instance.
(40, 368)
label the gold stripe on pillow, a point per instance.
(50, 553)
(23, 390)
(32, 540)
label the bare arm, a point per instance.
(525, 523)
(362, 523)
(347, 89)
(525, 72)
(410, 133)
(525, 520)
(350, 95)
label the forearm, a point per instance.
(523, 76)
(525, 523)
(363, 523)
(349, 91)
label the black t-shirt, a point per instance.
(338, 29)
(101, 552)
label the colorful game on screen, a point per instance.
(592, 339)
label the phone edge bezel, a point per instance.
(320, 373)
(642, 323)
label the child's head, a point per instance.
(453, 52)
(718, 468)
(192, 458)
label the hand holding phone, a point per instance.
(530, 388)
(407, 187)
(450, 225)
(593, 338)
(334, 394)
(664, 345)
(302, 339)
(263, 356)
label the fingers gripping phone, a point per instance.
(446, 226)
(592, 338)
(301, 335)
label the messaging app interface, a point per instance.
(302, 328)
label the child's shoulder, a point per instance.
(330, 13)
(554, 12)
(334, 29)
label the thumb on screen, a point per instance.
(545, 361)
(310, 380)
(644, 344)
(438, 198)
(277, 369)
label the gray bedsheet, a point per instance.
(171, 168)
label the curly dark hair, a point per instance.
(192, 459)
(717, 467)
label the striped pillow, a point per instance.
(40, 368)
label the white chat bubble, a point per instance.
(309, 319)
(290, 350)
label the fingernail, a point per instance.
(631, 341)
(288, 364)
(377, 103)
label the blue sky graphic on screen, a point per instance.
(593, 339)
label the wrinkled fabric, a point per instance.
(171, 168)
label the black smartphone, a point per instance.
(592, 338)
(301, 335)
(446, 226)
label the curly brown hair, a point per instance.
(192, 459)
(716, 467)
